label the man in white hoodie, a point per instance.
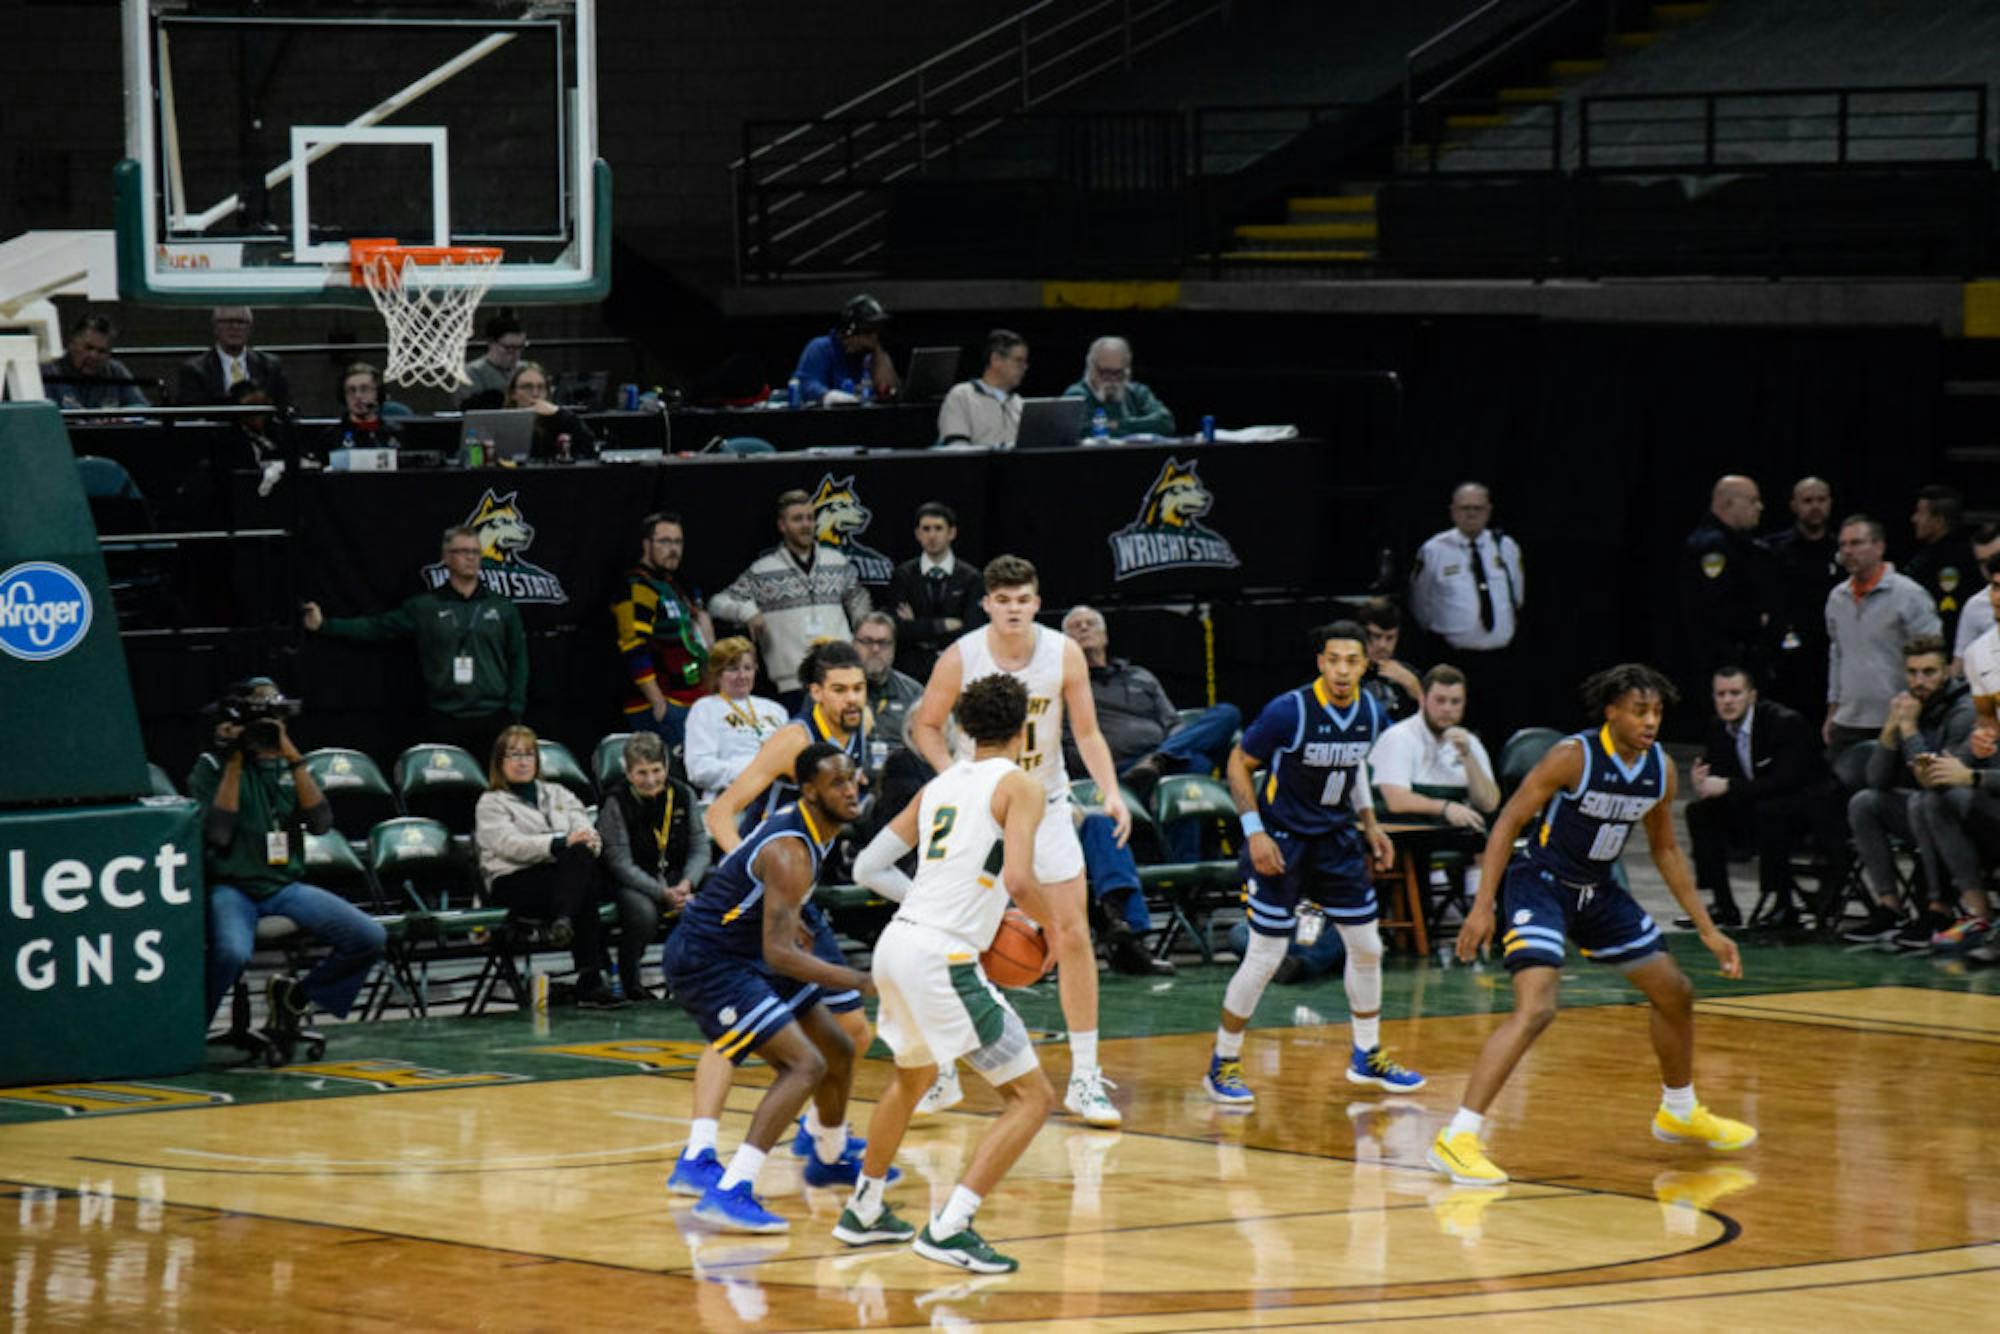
(793, 596)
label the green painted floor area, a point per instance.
(410, 1055)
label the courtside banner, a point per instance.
(102, 942)
(68, 728)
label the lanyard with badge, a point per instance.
(666, 823)
(461, 662)
(277, 842)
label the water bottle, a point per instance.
(628, 397)
(1100, 425)
(347, 440)
(474, 452)
(1208, 430)
(868, 378)
(793, 394)
(562, 447)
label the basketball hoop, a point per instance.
(427, 295)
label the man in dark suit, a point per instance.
(936, 596)
(1761, 783)
(209, 377)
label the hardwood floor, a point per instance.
(497, 1204)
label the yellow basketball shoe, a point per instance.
(1460, 1158)
(1703, 1127)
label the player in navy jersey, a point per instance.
(835, 712)
(736, 962)
(1585, 797)
(1309, 831)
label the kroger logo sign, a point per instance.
(44, 611)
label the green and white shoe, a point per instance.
(886, 1227)
(964, 1250)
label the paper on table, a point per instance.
(1256, 435)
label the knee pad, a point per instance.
(1260, 963)
(1364, 943)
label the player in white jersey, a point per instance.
(977, 824)
(1057, 678)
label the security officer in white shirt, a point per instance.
(1467, 588)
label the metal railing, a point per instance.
(1774, 127)
(791, 213)
(1444, 61)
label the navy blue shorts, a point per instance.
(826, 947)
(737, 1002)
(1537, 911)
(1330, 869)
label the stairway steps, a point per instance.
(1306, 231)
(1567, 71)
(1478, 120)
(1336, 204)
(1530, 95)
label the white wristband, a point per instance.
(1252, 822)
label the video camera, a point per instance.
(258, 716)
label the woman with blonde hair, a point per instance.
(538, 854)
(726, 726)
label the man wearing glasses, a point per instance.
(471, 647)
(211, 376)
(1129, 407)
(487, 377)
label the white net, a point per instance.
(428, 308)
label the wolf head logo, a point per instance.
(1168, 533)
(838, 514)
(503, 533)
(1177, 499)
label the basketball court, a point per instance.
(484, 1173)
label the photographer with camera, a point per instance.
(258, 802)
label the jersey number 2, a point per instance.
(941, 824)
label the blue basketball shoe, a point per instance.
(1374, 1068)
(738, 1210)
(693, 1176)
(845, 1172)
(802, 1143)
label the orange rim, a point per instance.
(366, 253)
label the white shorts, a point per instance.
(1058, 855)
(937, 1005)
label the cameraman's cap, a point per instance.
(862, 312)
(252, 682)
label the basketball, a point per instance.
(1019, 954)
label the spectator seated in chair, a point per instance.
(538, 855)
(1117, 901)
(1430, 768)
(1147, 738)
(1933, 717)
(655, 849)
(560, 435)
(258, 802)
(727, 726)
(1762, 783)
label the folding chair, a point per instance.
(440, 782)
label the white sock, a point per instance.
(829, 1142)
(1368, 1033)
(866, 1201)
(747, 1162)
(701, 1135)
(956, 1216)
(1228, 1045)
(1679, 1101)
(1083, 1053)
(1465, 1120)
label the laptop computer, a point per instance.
(509, 432)
(1050, 423)
(933, 371)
